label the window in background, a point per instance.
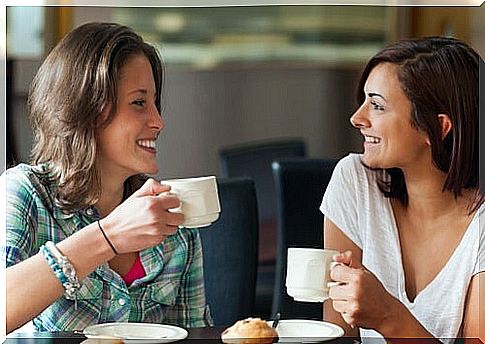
(207, 37)
(25, 32)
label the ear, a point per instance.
(104, 114)
(445, 123)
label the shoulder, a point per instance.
(480, 226)
(351, 170)
(28, 181)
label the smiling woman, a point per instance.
(405, 213)
(137, 121)
(87, 232)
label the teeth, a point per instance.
(147, 143)
(372, 139)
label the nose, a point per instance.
(156, 122)
(359, 119)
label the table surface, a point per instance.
(203, 335)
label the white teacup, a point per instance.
(308, 273)
(199, 200)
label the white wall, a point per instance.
(207, 110)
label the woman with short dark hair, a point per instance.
(405, 213)
(90, 239)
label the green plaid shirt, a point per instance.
(172, 291)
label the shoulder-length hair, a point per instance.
(73, 85)
(439, 76)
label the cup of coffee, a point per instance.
(199, 200)
(308, 273)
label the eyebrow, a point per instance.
(371, 94)
(139, 90)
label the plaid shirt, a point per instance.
(172, 291)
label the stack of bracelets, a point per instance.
(63, 269)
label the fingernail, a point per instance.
(334, 264)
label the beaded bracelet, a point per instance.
(63, 269)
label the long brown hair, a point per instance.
(439, 76)
(71, 88)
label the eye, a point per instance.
(139, 102)
(376, 106)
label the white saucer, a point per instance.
(136, 333)
(306, 331)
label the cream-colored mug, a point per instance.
(199, 200)
(308, 273)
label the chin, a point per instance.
(151, 170)
(372, 162)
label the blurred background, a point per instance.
(238, 74)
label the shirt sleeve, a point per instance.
(191, 309)
(341, 198)
(480, 264)
(19, 217)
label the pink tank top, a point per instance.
(136, 272)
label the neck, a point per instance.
(426, 195)
(112, 189)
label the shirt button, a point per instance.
(121, 302)
(89, 212)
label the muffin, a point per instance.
(250, 331)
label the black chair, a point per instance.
(254, 160)
(230, 251)
(300, 185)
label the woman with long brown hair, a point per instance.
(405, 213)
(90, 239)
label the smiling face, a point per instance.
(384, 119)
(127, 144)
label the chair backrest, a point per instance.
(300, 185)
(230, 252)
(254, 160)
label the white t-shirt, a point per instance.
(354, 202)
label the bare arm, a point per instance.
(335, 239)
(33, 279)
(474, 317)
(362, 299)
(141, 221)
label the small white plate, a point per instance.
(306, 331)
(136, 333)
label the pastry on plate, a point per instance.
(250, 331)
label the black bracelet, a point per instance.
(106, 237)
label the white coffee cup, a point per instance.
(199, 200)
(308, 273)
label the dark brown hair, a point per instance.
(75, 82)
(439, 75)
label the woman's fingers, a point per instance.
(151, 187)
(174, 219)
(168, 201)
(341, 273)
(339, 291)
(339, 305)
(347, 259)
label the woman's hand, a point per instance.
(143, 220)
(360, 298)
